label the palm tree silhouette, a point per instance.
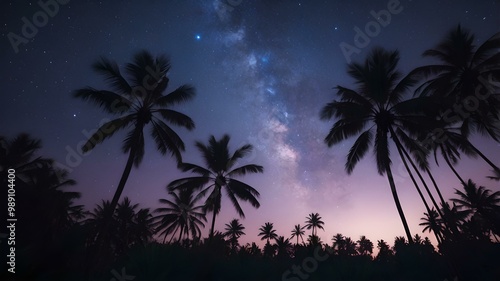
(19, 153)
(463, 75)
(220, 174)
(179, 214)
(432, 222)
(138, 103)
(314, 221)
(283, 247)
(376, 104)
(480, 201)
(234, 230)
(297, 232)
(267, 232)
(365, 246)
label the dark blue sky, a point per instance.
(262, 69)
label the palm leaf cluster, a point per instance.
(420, 114)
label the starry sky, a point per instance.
(262, 70)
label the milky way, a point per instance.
(262, 69)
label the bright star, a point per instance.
(198, 37)
(74, 115)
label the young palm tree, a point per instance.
(314, 221)
(234, 230)
(220, 174)
(373, 112)
(179, 214)
(267, 232)
(297, 232)
(432, 222)
(138, 103)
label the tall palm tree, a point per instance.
(373, 112)
(220, 174)
(267, 232)
(462, 82)
(179, 214)
(234, 230)
(314, 221)
(137, 103)
(297, 232)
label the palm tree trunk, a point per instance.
(452, 168)
(422, 180)
(495, 168)
(436, 187)
(398, 204)
(213, 224)
(95, 252)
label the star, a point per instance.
(198, 37)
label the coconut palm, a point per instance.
(313, 221)
(234, 230)
(432, 222)
(220, 174)
(181, 214)
(283, 247)
(373, 112)
(365, 246)
(20, 153)
(297, 232)
(480, 201)
(138, 103)
(267, 232)
(462, 80)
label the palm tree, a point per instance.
(384, 251)
(365, 246)
(480, 201)
(179, 214)
(432, 222)
(267, 232)
(376, 105)
(283, 247)
(234, 230)
(314, 221)
(338, 243)
(19, 153)
(220, 174)
(138, 103)
(298, 231)
(143, 227)
(462, 82)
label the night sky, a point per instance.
(262, 70)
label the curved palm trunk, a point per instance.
(213, 225)
(398, 204)
(453, 168)
(421, 179)
(95, 253)
(436, 187)
(483, 156)
(180, 234)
